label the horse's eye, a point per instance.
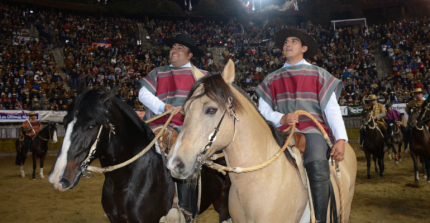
(211, 110)
(90, 127)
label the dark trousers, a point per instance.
(316, 163)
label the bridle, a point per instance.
(417, 123)
(86, 162)
(212, 137)
(370, 120)
(50, 138)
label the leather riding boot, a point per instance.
(319, 181)
(187, 195)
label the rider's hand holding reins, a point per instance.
(168, 107)
(289, 119)
(338, 150)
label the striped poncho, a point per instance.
(171, 85)
(300, 87)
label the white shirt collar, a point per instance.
(303, 61)
(186, 65)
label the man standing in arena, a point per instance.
(298, 85)
(166, 88)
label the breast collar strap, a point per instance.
(212, 136)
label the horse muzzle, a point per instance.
(179, 170)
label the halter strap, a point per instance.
(212, 136)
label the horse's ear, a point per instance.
(82, 86)
(228, 72)
(108, 95)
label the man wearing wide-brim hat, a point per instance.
(166, 88)
(418, 101)
(378, 112)
(29, 129)
(299, 85)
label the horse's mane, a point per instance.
(217, 90)
(89, 104)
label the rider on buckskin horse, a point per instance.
(379, 112)
(419, 100)
(166, 88)
(298, 85)
(29, 129)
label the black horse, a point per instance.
(373, 143)
(395, 136)
(38, 146)
(140, 191)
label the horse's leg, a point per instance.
(376, 167)
(381, 166)
(423, 161)
(368, 164)
(428, 168)
(22, 171)
(393, 147)
(41, 167)
(400, 151)
(34, 166)
(221, 205)
(414, 158)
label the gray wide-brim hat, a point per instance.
(186, 41)
(306, 39)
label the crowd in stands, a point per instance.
(406, 44)
(31, 79)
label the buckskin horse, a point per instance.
(272, 194)
(395, 136)
(39, 148)
(373, 143)
(140, 191)
(419, 140)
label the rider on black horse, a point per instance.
(378, 112)
(29, 129)
(166, 88)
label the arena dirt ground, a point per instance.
(394, 198)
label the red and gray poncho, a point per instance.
(171, 85)
(300, 87)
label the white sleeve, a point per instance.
(150, 100)
(334, 119)
(268, 112)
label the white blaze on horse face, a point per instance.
(60, 165)
(54, 137)
(170, 164)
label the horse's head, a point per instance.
(210, 116)
(413, 116)
(87, 113)
(366, 114)
(391, 128)
(52, 128)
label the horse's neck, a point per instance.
(254, 142)
(125, 142)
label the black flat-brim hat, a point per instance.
(306, 39)
(186, 41)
